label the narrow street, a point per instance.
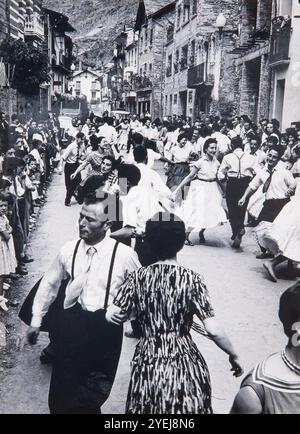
(245, 302)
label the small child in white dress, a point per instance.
(8, 261)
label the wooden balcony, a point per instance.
(280, 46)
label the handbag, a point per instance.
(57, 306)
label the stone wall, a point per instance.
(255, 79)
(211, 48)
(154, 54)
(3, 20)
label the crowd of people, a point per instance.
(29, 152)
(216, 170)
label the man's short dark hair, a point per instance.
(253, 136)
(140, 154)
(130, 172)
(279, 149)
(137, 138)
(273, 140)
(237, 142)
(80, 136)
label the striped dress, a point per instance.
(168, 373)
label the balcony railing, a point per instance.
(95, 101)
(33, 26)
(197, 76)
(170, 34)
(280, 45)
(183, 63)
(143, 82)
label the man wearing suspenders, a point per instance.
(238, 169)
(86, 347)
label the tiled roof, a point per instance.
(155, 5)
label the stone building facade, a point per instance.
(153, 19)
(130, 71)
(252, 58)
(266, 58)
(285, 62)
(199, 73)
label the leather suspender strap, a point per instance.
(112, 262)
(74, 257)
(240, 167)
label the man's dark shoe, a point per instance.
(270, 271)
(26, 260)
(47, 355)
(21, 271)
(265, 255)
(236, 243)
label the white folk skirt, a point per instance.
(202, 208)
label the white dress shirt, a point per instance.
(92, 297)
(282, 182)
(237, 163)
(182, 154)
(139, 206)
(151, 181)
(71, 152)
(109, 133)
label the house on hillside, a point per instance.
(86, 82)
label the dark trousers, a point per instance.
(87, 351)
(71, 184)
(271, 209)
(236, 188)
(17, 232)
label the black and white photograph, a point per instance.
(150, 209)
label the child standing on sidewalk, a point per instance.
(8, 261)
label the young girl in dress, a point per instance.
(8, 261)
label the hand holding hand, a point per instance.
(241, 202)
(236, 366)
(32, 335)
(174, 195)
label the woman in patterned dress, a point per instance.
(169, 374)
(94, 159)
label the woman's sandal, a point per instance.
(188, 242)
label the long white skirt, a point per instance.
(202, 208)
(284, 234)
